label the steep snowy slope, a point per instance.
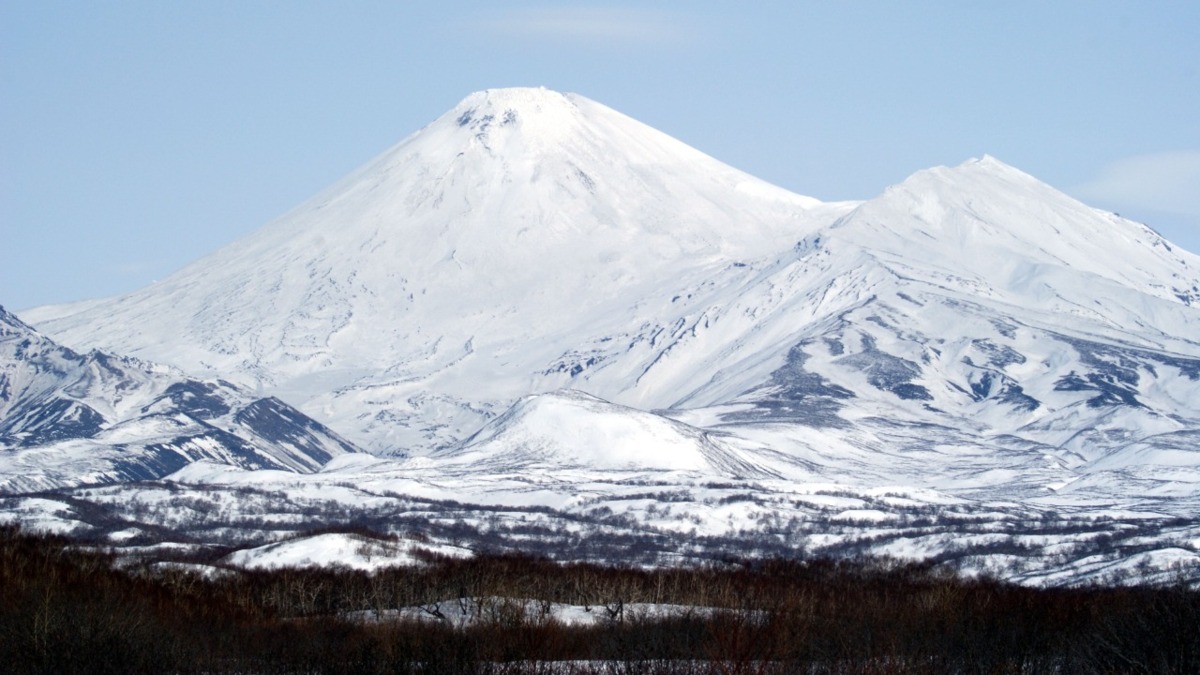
(69, 419)
(444, 278)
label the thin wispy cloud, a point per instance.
(1162, 181)
(129, 269)
(592, 26)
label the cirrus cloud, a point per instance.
(1162, 181)
(593, 26)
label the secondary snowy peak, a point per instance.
(987, 221)
(950, 252)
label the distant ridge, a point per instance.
(70, 419)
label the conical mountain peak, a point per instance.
(538, 115)
(505, 222)
(495, 105)
(515, 98)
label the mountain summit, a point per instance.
(529, 241)
(987, 219)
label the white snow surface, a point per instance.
(325, 550)
(570, 429)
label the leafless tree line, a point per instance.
(69, 609)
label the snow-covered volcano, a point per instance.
(448, 275)
(529, 241)
(555, 309)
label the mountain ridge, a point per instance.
(528, 241)
(68, 419)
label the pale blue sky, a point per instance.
(137, 136)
